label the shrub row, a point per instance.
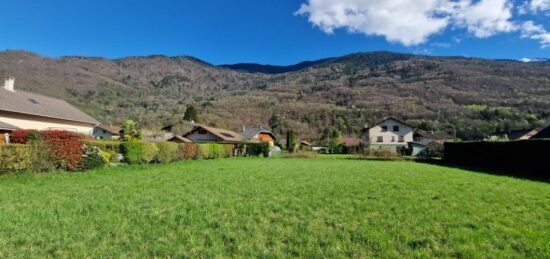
(525, 158)
(49, 150)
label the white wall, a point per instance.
(404, 130)
(23, 121)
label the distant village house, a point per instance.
(390, 134)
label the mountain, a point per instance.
(270, 69)
(319, 99)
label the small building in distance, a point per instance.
(106, 132)
(258, 134)
(389, 134)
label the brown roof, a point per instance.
(306, 143)
(110, 129)
(180, 139)
(223, 134)
(39, 105)
(8, 127)
(349, 141)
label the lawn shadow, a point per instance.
(534, 174)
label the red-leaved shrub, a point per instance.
(187, 151)
(65, 146)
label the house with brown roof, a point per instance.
(202, 133)
(24, 110)
(258, 134)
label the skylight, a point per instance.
(33, 101)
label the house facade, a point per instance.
(24, 110)
(390, 134)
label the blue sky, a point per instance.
(277, 32)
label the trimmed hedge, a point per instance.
(526, 158)
(187, 151)
(14, 158)
(167, 152)
(137, 152)
(213, 151)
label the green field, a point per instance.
(250, 207)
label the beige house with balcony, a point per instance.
(24, 110)
(390, 134)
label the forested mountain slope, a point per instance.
(336, 95)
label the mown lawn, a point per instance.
(274, 208)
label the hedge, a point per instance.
(187, 151)
(526, 158)
(137, 152)
(167, 152)
(14, 158)
(214, 150)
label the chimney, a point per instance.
(9, 82)
(244, 128)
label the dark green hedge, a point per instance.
(525, 158)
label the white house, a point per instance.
(24, 110)
(389, 134)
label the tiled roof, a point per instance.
(222, 134)
(110, 129)
(250, 133)
(39, 105)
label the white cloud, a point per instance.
(535, 6)
(484, 18)
(404, 21)
(537, 32)
(410, 22)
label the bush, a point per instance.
(137, 152)
(14, 158)
(105, 145)
(167, 152)
(93, 158)
(187, 151)
(525, 158)
(257, 149)
(64, 147)
(42, 159)
(301, 154)
(204, 151)
(381, 154)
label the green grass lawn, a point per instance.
(274, 208)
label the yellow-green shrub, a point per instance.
(14, 158)
(167, 152)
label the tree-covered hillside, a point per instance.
(342, 94)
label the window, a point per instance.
(202, 132)
(396, 128)
(392, 138)
(401, 138)
(384, 128)
(380, 139)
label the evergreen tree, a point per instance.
(191, 114)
